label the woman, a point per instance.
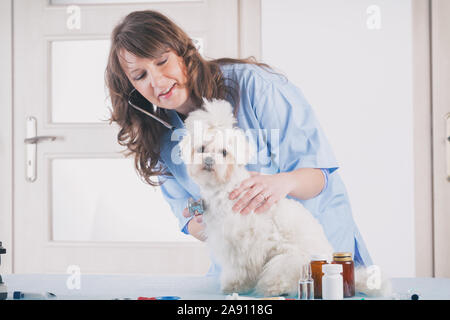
(153, 57)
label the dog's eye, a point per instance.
(201, 149)
(224, 152)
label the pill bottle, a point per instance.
(332, 282)
(317, 261)
(348, 271)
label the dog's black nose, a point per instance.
(209, 162)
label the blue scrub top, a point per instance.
(269, 101)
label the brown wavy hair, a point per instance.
(147, 34)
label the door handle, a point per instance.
(39, 139)
(31, 142)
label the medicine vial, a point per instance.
(332, 282)
(306, 284)
(348, 271)
(317, 261)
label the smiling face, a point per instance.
(162, 80)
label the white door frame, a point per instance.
(423, 197)
(6, 136)
(250, 28)
(440, 10)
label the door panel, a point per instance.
(87, 206)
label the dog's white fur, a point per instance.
(262, 252)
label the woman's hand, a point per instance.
(262, 192)
(198, 217)
(195, 226)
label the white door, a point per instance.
(77, 201)
(441, 135)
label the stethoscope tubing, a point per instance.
(166, 124)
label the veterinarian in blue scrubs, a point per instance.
(267, 102)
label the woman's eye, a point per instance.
(162, 62)
(142, 76)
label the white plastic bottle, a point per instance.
(332, 282)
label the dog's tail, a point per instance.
(372, 282)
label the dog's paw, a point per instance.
(229, 288)
(271, 287)
(236, 285)
(274, 291)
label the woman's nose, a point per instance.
(156, 79)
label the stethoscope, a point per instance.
(166, 124)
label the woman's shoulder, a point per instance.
(244, 73)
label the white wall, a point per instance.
(359, 81)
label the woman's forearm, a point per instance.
(306, 183)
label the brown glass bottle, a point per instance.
(316, 271)
(348, 272)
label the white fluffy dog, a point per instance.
(262, 252)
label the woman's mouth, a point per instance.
(166, 94)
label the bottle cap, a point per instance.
(319, 257)
(332, 268)
(342, 256)
(17, 295)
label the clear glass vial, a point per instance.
(306, 284)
